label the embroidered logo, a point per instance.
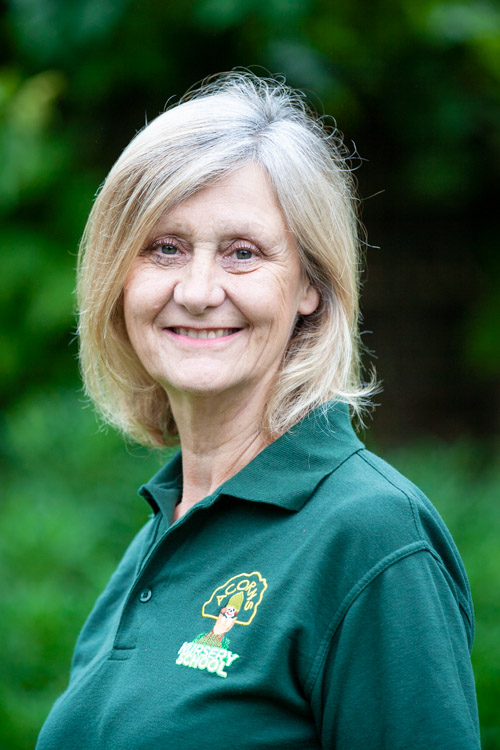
(234, 603)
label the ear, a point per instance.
(309, 300)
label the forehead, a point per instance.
(241, 202)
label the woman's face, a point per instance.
(211, 301)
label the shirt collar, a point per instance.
(285, 473)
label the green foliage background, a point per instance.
(416, 85)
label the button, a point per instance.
(145, 595)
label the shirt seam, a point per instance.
(411, 500)
(349, 600)
(461, 600)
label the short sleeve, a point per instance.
(397, 671)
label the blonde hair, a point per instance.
(231, 120)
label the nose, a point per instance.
(199, 287)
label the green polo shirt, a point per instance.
(314, 600)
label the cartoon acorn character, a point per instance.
(223, 624)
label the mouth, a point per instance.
(204, 333)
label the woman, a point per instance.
(291, 590)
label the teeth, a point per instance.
(194, 333)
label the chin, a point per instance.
(209, 386)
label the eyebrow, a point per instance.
(256, 232)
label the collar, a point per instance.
(286, 473)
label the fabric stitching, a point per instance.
(350, 598)
(461, 601)
(410, 499)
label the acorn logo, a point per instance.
(239, 597)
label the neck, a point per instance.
(219, 434)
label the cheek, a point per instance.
(286, 298)
(271, 304)
(142, 300)
(132, 309)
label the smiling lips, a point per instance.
(204, 333)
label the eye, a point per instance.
(164, 249)
(167, 248)
(244, 253)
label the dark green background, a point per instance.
(415, 87)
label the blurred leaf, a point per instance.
(482, 336)
(457, 22)
(51, 29)
(305, 67)
(36, 285)
(220, 14)
(30, 158)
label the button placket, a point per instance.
(156, 561)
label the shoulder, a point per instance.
(367, 491)
(378, 517)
